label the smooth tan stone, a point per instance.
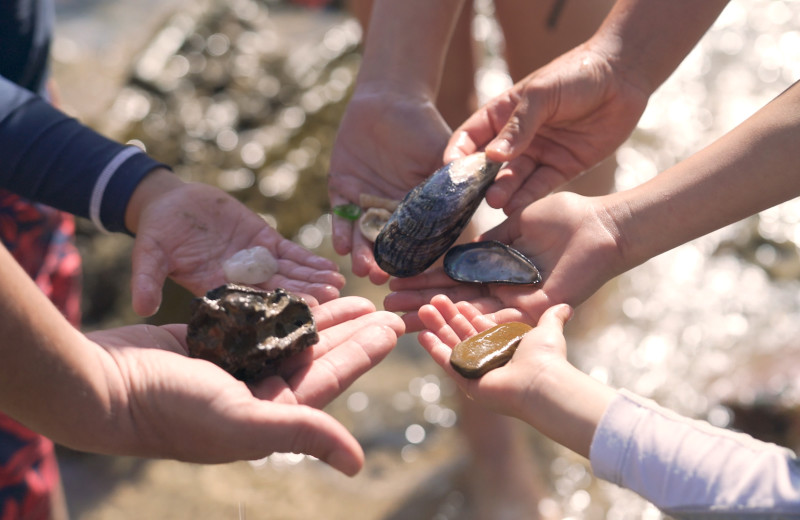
(488, 350)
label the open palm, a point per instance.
(166, 404)
(189, 232)
(566, 235)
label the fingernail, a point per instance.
(501, 146)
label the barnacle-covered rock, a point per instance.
(432, 215)
(247, 331)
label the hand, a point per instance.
(386, 145)
(570, 238)
(551, 126)
(164, 404)
(538, 385)
(505, 389)
(187, 232)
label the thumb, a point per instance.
(517, 133)
(555, 317)
(303, 429)
(149, 267)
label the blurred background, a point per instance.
(247, 95)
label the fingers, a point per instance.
(507, 231)
(480, 128)
(409, 294)
(342, 232)
(342, 189)
(334, 336)
(340, 310)
(306, 262)
(317, 291)
(340, 366)
(149, 266)
(519, 127)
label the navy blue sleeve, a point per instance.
(52, 158)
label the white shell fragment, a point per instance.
(372, 221)
(250, 266)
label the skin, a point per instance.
(186, 231)
(580, 243)
(417, 80)
(538, 385)
(569, 115)
(393, 103)
(750, 169)
(134, 391)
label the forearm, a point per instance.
(750, 169)
(52, 158)
(406, 44)
(689, 468)
(50, 374)
(648, 39)
(567, 405)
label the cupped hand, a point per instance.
(570, 238)
(503, 389)
(386, 144)
(556, 123)
(188, 232)
(165, 404)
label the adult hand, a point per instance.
(165, 404)
(387, 143)
(187, 231)
(553, 125)
(571, 239)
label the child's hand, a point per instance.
(505, 389)
(538, 385)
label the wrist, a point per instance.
(388, 88)
(626, 36)
(153, 185)
(567, 406)
(622, 247)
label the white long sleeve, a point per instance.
(690, 469)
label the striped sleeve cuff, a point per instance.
(115, 185)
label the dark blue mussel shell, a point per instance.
(432, 215)
(490, 262)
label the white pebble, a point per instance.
(250, 266)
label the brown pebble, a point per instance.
(488, 350)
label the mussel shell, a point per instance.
(432, 215)
(490, 262)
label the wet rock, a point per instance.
(488, 350)
(248, 332)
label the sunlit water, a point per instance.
(706, 324)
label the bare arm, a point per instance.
(751, 168)
(406, 44)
